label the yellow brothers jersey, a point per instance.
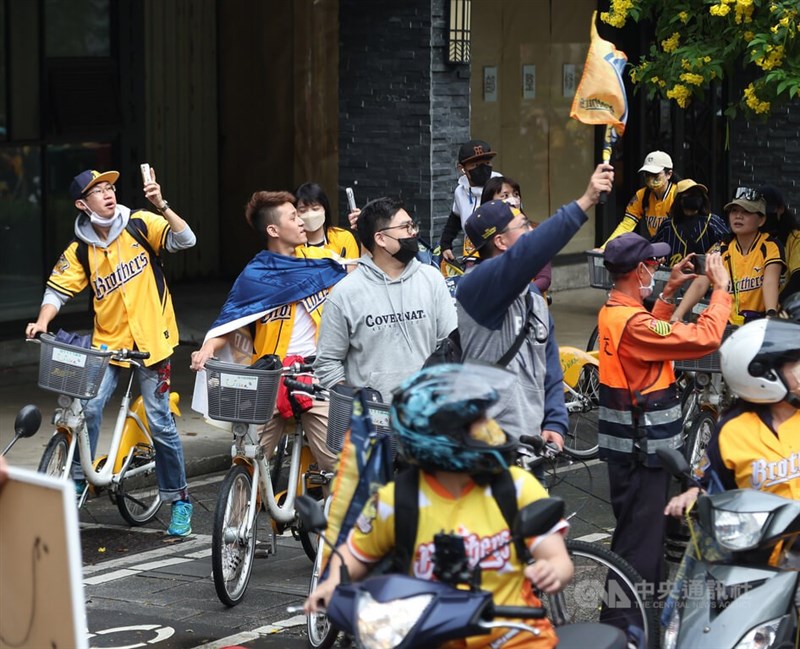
(273, 331)
(475, 516)
(746, 269)
(132, 304)
(748, 454)
(654, 213)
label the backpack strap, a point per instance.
(523, 333)
(406, 518)
(406, 514)
(505, 495)
(82, 250)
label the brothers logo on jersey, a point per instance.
(122, 274)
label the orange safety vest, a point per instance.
(633, 421)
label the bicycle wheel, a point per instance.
(605, 588)
(592, 344)
(232, 556)
(700, 432)
(581, 439)
(138, 498)
(321, 634)
(54, 458)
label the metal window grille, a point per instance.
(458, 41)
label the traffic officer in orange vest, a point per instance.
(640, 408)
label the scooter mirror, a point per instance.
(28, 421)
(311, 514)
(538, 517)
(674, 461)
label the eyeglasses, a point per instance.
(524, 225)
(101, 190)
(412, 227)
(748, 194)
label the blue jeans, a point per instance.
(154, 382)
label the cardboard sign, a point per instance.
(41, 591)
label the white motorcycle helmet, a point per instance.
(753, 355)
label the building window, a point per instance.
(458, 40)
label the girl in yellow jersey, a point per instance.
(314, 209)
(439, 417)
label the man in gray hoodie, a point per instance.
(384, 319)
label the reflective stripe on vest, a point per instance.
(629, 424)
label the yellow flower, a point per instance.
(748, 36)
(753, 102)
(684, 17)
(692, 78)
(774, 29)
(685, 64)
(680, 94)
(773, 59)
(773, 8)
(707, 59)
(784, 21)
(721, 10)
(671, 44)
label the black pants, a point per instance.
(638, 498)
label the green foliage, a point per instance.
(700, 41)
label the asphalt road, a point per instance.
(145, 589)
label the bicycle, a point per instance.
(582, 399)
(605, 587)
(246, 397)
(128, 469)
(321, 634)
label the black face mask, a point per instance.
(407, 251)
(692, 203)
(479, 175)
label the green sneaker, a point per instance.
(80, 487)
(181, 523)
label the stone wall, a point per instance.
(402, 109)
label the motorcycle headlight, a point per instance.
(760, 637)
(672, 631)
(386, 625)
(738, 531)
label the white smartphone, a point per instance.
(351, 198)
(147, 176)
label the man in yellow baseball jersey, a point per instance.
(281, 293)
(114, 252)
(653, 201)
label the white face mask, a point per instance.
(313, 219)
(647, 291)
(513, 201)
(98, 220)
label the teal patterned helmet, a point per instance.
(432, 411)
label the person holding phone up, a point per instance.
(115, 251)
(754, 260)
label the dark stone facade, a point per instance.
(768, 152)
(403, 109)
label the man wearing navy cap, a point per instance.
(475, 168)
(640, 409)
(115, 252)
(496, 299)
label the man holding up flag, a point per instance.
(275, 307)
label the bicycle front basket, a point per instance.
(239, 393)
(69, 369)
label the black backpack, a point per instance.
(406, 514)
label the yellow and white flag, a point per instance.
(600, 98)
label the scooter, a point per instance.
(729, 591)
(403, 612)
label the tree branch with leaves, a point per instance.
(702, 41)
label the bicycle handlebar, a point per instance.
(544, 449)
(118, 354)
